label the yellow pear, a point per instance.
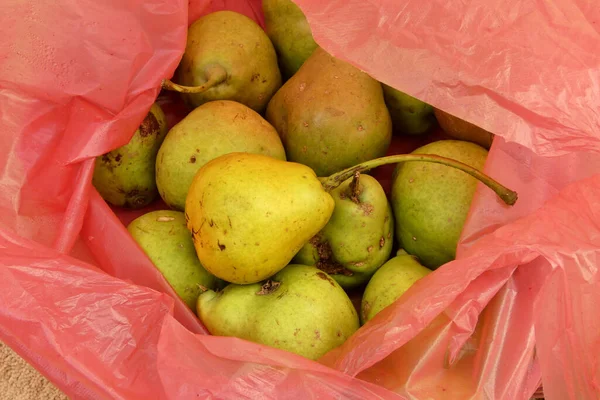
(249, 214)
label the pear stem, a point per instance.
(216, 74)
(202, 288)
(355, 188)
(334, 180)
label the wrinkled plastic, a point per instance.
(80, 301)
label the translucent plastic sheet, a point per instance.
(81, 302)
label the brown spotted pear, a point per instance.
(125, 176)
(300, 309)
(359, 236)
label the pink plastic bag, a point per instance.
(81, 302)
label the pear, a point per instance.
(330, 115)
(390, 282)
(228, 56)
(212, 129)
(358, 238)
(125, 176)
(410, 116)
(165, 239)
(250, 214)
(460, 129)
(290, 33)
(300, 309)
(431, 202)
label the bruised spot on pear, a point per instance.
(325, 277)
(149, 126)
(268, 287)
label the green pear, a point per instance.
(165, 239)
(330, 115)
(125, 176)
(249, 214)
(288, 29)
(460, 129)
(431, 202)
(228, 56)
(390, 282)
(410, 116)
(212, 129)
(358, 238)
(300, 309)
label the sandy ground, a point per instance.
(20, 381)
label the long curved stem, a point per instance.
(333, 181)
(215, 74)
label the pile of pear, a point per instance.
(272, 221)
